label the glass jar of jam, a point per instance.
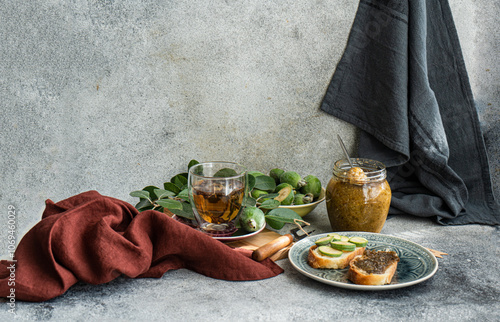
(358, 198)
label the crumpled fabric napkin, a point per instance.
(402, 81)
(94, 239)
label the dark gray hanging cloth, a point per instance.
(402, 81)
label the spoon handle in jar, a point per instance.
(342, 145)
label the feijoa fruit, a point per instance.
(292, 178)
(252, 219)
(313, 185)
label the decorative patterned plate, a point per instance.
(416, 264)
(238, 235)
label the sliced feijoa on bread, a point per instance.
(358, 241)
(323, 241)
(334, 237)
(329, 251)
(343, 246)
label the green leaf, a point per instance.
(277, 218)
(191, 163)
(265, 183)
(161, 193)
(151, 190)
(183, 194)
(274, 223)
(146, 208)
(140, 194)
(171, 187)
(255, 173)
(250, 182)
(248, 202)
(283, 214)
(169, 204)
(270, 204)
(186, 211)
(144, 204)
(180, 181)
(225, 172)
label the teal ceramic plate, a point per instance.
(240, 234)
(416, 264)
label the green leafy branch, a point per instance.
(174, 197)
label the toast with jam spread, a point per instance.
(373, 267)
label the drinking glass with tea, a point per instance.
(216, 192)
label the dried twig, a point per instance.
(296, 221)
(436, 253)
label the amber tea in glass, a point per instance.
(216, 191)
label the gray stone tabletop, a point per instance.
(117, 95)
(466, 287)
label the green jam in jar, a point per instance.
(358, 198)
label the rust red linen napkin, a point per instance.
(94, 239)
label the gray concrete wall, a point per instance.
(117, 95)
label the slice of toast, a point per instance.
(317, 260)
(373, 268)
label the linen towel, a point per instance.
(402, 80)
(94, 239)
